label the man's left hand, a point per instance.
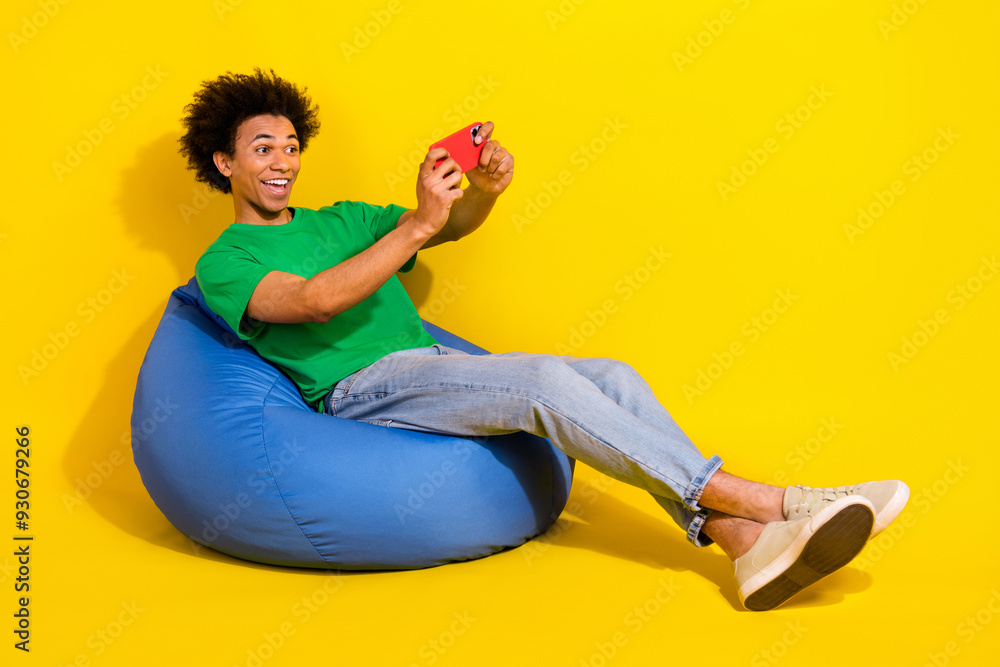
(496, 165)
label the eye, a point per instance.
(260, 148)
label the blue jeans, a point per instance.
(598, 411)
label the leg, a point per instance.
(599, 413)
(733, 534)
(442, 390)
(724, 492)
(621, 383)
(742, 498)
(737, 497)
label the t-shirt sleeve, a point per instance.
(227, 277)
(381, 220)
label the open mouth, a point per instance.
(277, 186)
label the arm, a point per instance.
(288, 298)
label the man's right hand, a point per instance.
(437, 190)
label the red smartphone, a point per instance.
(462, 147)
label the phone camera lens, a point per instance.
(475, 130)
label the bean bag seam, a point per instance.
(274, 478)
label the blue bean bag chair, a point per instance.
(236, 460)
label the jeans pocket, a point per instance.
(354, 406)
(348, 383)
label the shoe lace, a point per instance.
(812, 495)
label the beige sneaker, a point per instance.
(790, 555)
(888, 498)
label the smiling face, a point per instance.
(262, 169)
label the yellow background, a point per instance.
(815, 398)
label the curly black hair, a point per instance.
(221, 105)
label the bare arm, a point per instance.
(288, 298)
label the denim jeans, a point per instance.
(598, 411)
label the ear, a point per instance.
(222, 163)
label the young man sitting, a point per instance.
(351, 339)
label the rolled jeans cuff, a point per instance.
(691, 497)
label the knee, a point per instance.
(550, 373)
(544, 367)
(618, 372)
(546, 375)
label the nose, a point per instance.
(280, 161)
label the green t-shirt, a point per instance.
(315, 356)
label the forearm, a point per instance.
(347, 284)
(469, 212)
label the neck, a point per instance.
(250, 214)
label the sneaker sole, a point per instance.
(829, 548)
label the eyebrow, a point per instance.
(268, 136)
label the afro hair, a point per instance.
(220, 106)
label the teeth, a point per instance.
(277, 181)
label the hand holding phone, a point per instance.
(462, 147)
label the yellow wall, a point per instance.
(686, 198)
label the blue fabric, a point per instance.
(236, 460)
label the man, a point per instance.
(351, 339)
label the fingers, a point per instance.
(434, 158)
(441, 182)
(435, 154)
(495, 160)
(485, 132)
(438, 164)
